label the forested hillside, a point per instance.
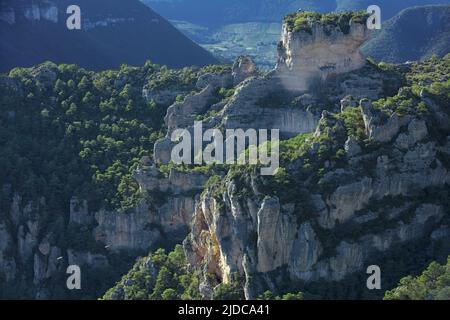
(68, 133)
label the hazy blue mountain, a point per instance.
(113, 32)
(414, 34)
(389, 8)
(219, 12)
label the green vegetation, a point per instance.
(354, 123)
(293, 148)
(66, 131)
(428, 78)
(303, 21)
(165, 276)
(404, 103)
(217, 69)
(432, 76)
(267, 295)
(160, 276)
(229, 291)
(166, 79)
(432, 284)
(81, 136)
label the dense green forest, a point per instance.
(66, 131)
(432, 284)
(160, 276)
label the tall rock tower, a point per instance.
(315, 46)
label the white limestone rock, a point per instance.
(305, 58)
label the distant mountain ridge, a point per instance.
(220, 12)
(113, 32)
(414, 34)
(230, 28)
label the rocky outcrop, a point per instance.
(242, 69)
(182, 115)
(352, 148)
(275, 236)
(164, 96)
(79, 212)
(270, 236)
(94, 260)
(26, 240)
(164, 213)
(308, 56)
(375, 128)
(351, 255)
(125, 231)
(279, 98)
(250, 99)
(51, 11)
(417, 131)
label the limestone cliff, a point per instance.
(286, 98)
(319, 49)
(331, 224)
(370, 179)
(364, 177)
(272, 234)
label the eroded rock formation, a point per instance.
(308, 56)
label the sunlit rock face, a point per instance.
(308, 56)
